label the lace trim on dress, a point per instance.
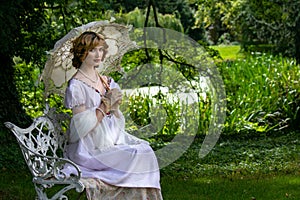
(95, 89)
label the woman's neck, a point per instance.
(89, 73)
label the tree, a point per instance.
(31, 28)
(216, 16)
(15, 16)
(137, 19)
(180, 9)
(271, 22)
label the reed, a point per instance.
(262, 93)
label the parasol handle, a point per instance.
(104, 83)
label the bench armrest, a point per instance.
(48, 171)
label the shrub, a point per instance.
(158, 118)
(262, 95)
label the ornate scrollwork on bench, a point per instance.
(42, 147)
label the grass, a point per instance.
(216, 188)
(19, 187)
(241, 156)
(229, 52)
(238, 168)
(16, 187)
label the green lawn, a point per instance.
(217, 188)
(228, 52)
(14, 187)
(261, 167)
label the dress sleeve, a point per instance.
(75, 95)
(113, 84)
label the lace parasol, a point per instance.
(58, 68)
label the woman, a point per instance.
(98, 143)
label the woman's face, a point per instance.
(94, 56)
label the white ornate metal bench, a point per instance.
(42, 146)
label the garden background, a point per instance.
(256, 49)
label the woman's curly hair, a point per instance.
(85, 42)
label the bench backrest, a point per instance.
(43, 138)
(42, 146)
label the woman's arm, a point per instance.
(101, 112)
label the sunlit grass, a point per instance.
(216, 188)
(229, 52)
(19, 187)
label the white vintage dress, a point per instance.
(104, 150)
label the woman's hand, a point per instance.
(112, 100)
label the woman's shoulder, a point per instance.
(73, 81)
(75, 85)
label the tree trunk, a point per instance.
(297, 40)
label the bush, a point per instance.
(159, 118)
(262, 95)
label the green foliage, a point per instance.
(173, 120)
(262, 93)
(158, 118)
(31, 90)
(270, 22)
(252, 23)
(27, 83)
(139, 108)
(183, 11)
(177, 15)
(217, 18)
(137, 19)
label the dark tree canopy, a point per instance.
(271, 22)
(31, 27)
(17, 17)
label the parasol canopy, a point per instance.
(58, 68)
